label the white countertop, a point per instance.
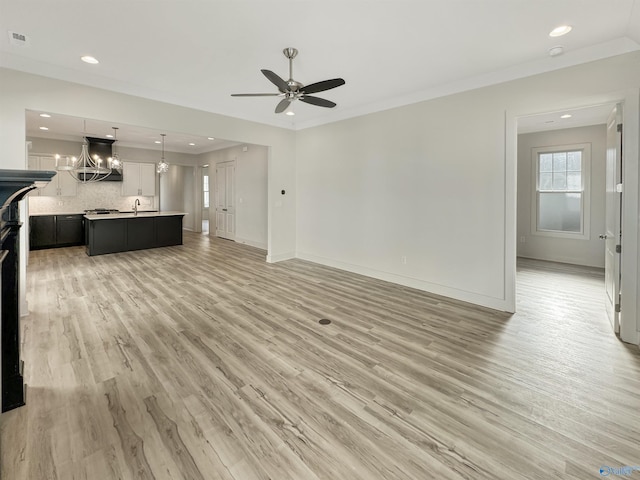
(111, 216)
(42, 214)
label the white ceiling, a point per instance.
(197, 53)
(65, 127)
(580, 117)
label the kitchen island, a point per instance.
(123, 232)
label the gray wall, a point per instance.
(251, 191)
(577, 251)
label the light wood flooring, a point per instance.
(204, 362)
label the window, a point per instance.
(205, 191)
(561, 191)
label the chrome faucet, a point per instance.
(135, 206)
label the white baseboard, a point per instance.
(470, 297)
(251, 243)
(561, 259)
(280, 257)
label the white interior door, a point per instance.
(225, 200)
(613, 233)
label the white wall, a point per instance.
(435, 182)
(172, 189)
(189, 203)
(251, 191)
(577, 251)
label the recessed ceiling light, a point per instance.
(555, 51)
(44, 128)
(157, 141)
(89, 59)
(210, 138)
(561, 30)
(290, 113)
(45, 115)
(566, 115)
(108, 135)
(192, 144)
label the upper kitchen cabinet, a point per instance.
(138, 179)
(61, 185)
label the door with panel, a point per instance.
(225, 200)
(613, 227)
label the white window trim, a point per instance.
(585, 234)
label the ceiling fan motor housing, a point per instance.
(293, 90)
(290, 53)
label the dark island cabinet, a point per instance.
(50, 231)
(113, 235)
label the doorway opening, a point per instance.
(567, 205)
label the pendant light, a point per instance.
(163, 166)
(115, 159)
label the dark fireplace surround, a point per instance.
(14, 185)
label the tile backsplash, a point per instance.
(90, 196)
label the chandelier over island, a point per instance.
(85, 169)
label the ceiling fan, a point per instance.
(292, 90)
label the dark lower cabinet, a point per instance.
(49, 231)
(42, 232)
(69, 230)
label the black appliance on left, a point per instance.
(14, 185)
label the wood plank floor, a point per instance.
(205, 362)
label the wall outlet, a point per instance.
(60, 203)
(523, 239)
(403, 259)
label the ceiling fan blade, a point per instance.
(283, 105)
(324, 85)
(320, 102)
(276, 80)
(256, 94)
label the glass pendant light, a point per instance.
(115, 159)
(163, 166)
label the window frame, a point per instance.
(585, 210)
(206, 192)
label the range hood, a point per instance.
(103, 148)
